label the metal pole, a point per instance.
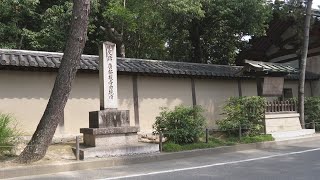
(207, 135)
(160, 141)
(314, 125)
(77, 148)
(264, 124)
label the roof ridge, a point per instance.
(126, 59)
(40, 52)
(50, 61)
(168, 61)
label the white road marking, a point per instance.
(211, 165)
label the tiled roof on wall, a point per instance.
(48, 61)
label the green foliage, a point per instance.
(247, 112)
(54, 27)
(216, 36)
(231, 20)
(312, 111)
(14, 17)
(181, 30)
(216, 142)
(141, 26)
(182, 125)
(8, 134)
(171, 147)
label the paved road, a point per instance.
(295, 161)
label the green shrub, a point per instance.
(171, 147)
(258, 138)
(182, 125)
(8, 134)
(247, 112)
(216, 142)
(312, 111)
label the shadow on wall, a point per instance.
(26, 85)
(212, 94)
(159, 92)
(213, 111)
(38, 85)
(25, 95)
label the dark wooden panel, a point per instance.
(193, 89)
(135, 99)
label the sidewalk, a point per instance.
(11, 172)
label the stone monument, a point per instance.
(109, 132)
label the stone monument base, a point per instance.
(110, 134)
(114, 136)
(123, 150)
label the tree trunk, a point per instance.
(303, 62)
(123, 51)
(195, 41)
(42, 137)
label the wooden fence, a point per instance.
(281, 106)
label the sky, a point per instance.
(315, 4)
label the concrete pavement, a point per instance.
(288, 161)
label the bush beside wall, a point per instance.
(312, 112)
(247, 112)
(182, 125)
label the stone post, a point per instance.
(108, 76)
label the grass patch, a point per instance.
(8, 133)
(216, 142)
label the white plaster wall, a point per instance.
(295, 85)
(25, 95)
(212, 94)
(157, 92)
(249, 87)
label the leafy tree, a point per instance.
(16, 17)
(203, 31)
(215, 34)
(54, 26)
(136, 26)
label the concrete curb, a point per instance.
(116, 161)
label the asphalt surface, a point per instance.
(294, 161)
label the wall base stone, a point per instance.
(280, 122)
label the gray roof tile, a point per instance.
(48, 60)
